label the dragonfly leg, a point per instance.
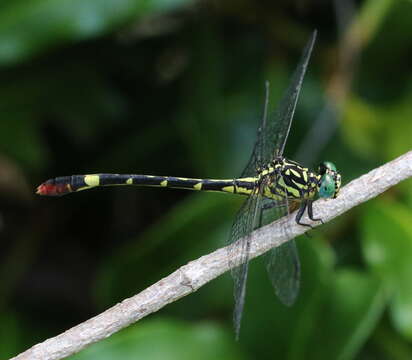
(300, 213)
(310, 212)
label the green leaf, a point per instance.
(387, 246)
(397, 130)
(339, 309)
(374, 132)
(361, 128)
(356, 301)
(165, 339)
(31, 26)
(371, 16)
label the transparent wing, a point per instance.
(238, 252)
(275, 131)
(256, 212)
(256, 159)
(282, 263)
(272, 134)
(283, 267)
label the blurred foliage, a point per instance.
(174, 87)
(29, 27)
(162, 337)
(387, 245)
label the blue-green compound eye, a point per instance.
(326, 166)
(327, 186)
(329, 165)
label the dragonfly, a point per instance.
(273, 184)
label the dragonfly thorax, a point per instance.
(284, 178)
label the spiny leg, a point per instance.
(300, 213)
(310, 212)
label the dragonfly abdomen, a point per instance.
(67, 184)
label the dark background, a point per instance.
(177, 88)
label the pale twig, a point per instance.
(195, 274)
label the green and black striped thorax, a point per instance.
(284, 178)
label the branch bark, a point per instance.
(195, 274)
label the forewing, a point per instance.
(238, 252)
(276, 129)
(255, 160)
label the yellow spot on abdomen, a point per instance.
(198, 186)
(92, 180)
(248, 179)
(229, 189)
(242, 190)
(163, 183)
(129, 181)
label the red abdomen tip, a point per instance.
(49, 188)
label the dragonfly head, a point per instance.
(330, 180)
